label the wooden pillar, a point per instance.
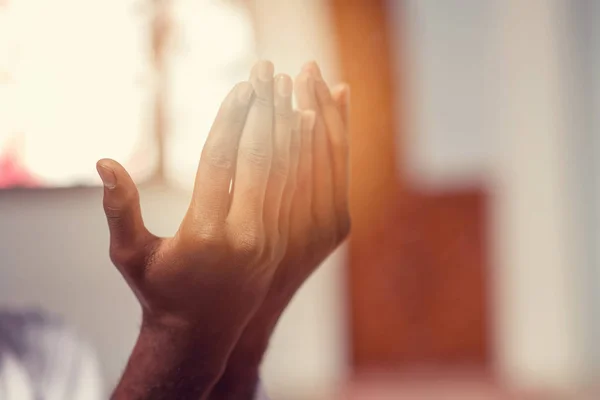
(417, 278)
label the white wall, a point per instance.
(539, 316)
(580, 59)
(493, 101)
(448, 67)
(594, 315)
(54, 247)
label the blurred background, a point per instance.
(472, 270)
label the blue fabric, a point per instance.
(53, 362)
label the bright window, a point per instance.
(77, 84)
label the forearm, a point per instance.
(171, 363)
(241, 376)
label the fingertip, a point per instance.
(304, 87)
(114, 175)
(341, 97)
(283, 95)
(106, 170)
(341, 93)
(244, 92)
(346, 91)
(261, 78)
(302, 79)
(263, 70)
(313, 68)
(105, 162)
(283, 85)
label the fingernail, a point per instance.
(108, 177)
(284, 85)
(265, 70)
(309, 119)
(244, 92)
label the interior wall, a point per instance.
(54, 247)
(448, 67)
(538, 264)
(580, 60)
(588, 15)
(499, 93)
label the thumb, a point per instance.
(341, 97)
(122, 208)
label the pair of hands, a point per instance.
(269, 205)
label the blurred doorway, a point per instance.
(418, 270)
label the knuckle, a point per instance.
(112, 212)
(115, 209)
(268, 254)
(263, 100)
(274, 248)
(248, 247)
(278, 252)
(196, 235)
(217, 157)
(280, 166)
(125, 257)
(210, 239)
(247, 250)
(258, 156)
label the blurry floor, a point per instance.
(442, 387)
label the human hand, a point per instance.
(199, 288)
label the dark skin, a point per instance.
(212, 294)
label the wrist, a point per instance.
(213, 340)
(202, 346)
(169, 360)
